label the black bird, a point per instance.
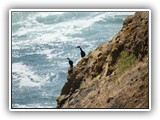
(82, 52)
(70, 62)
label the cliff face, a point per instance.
(115, 75)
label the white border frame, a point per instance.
(60, 10)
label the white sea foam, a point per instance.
(49, 53)
(45, 14)
(42, 34)
(34, 105)
(25, 75)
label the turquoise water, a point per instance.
(41, 42)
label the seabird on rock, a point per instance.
(70, 62)
(82, 52)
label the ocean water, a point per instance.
(41, 42)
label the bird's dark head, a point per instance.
(78, 47)
(68, 58)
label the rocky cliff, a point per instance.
(115, 75)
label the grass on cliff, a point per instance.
(124, 62)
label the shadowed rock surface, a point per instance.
(115, 75)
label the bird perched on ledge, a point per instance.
(70, 62)
(82, 52)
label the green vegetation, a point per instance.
(125, 61)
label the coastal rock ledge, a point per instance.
(115, 75)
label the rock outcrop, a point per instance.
(115, 75)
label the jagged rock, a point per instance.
(128, 20)
(114, 75)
